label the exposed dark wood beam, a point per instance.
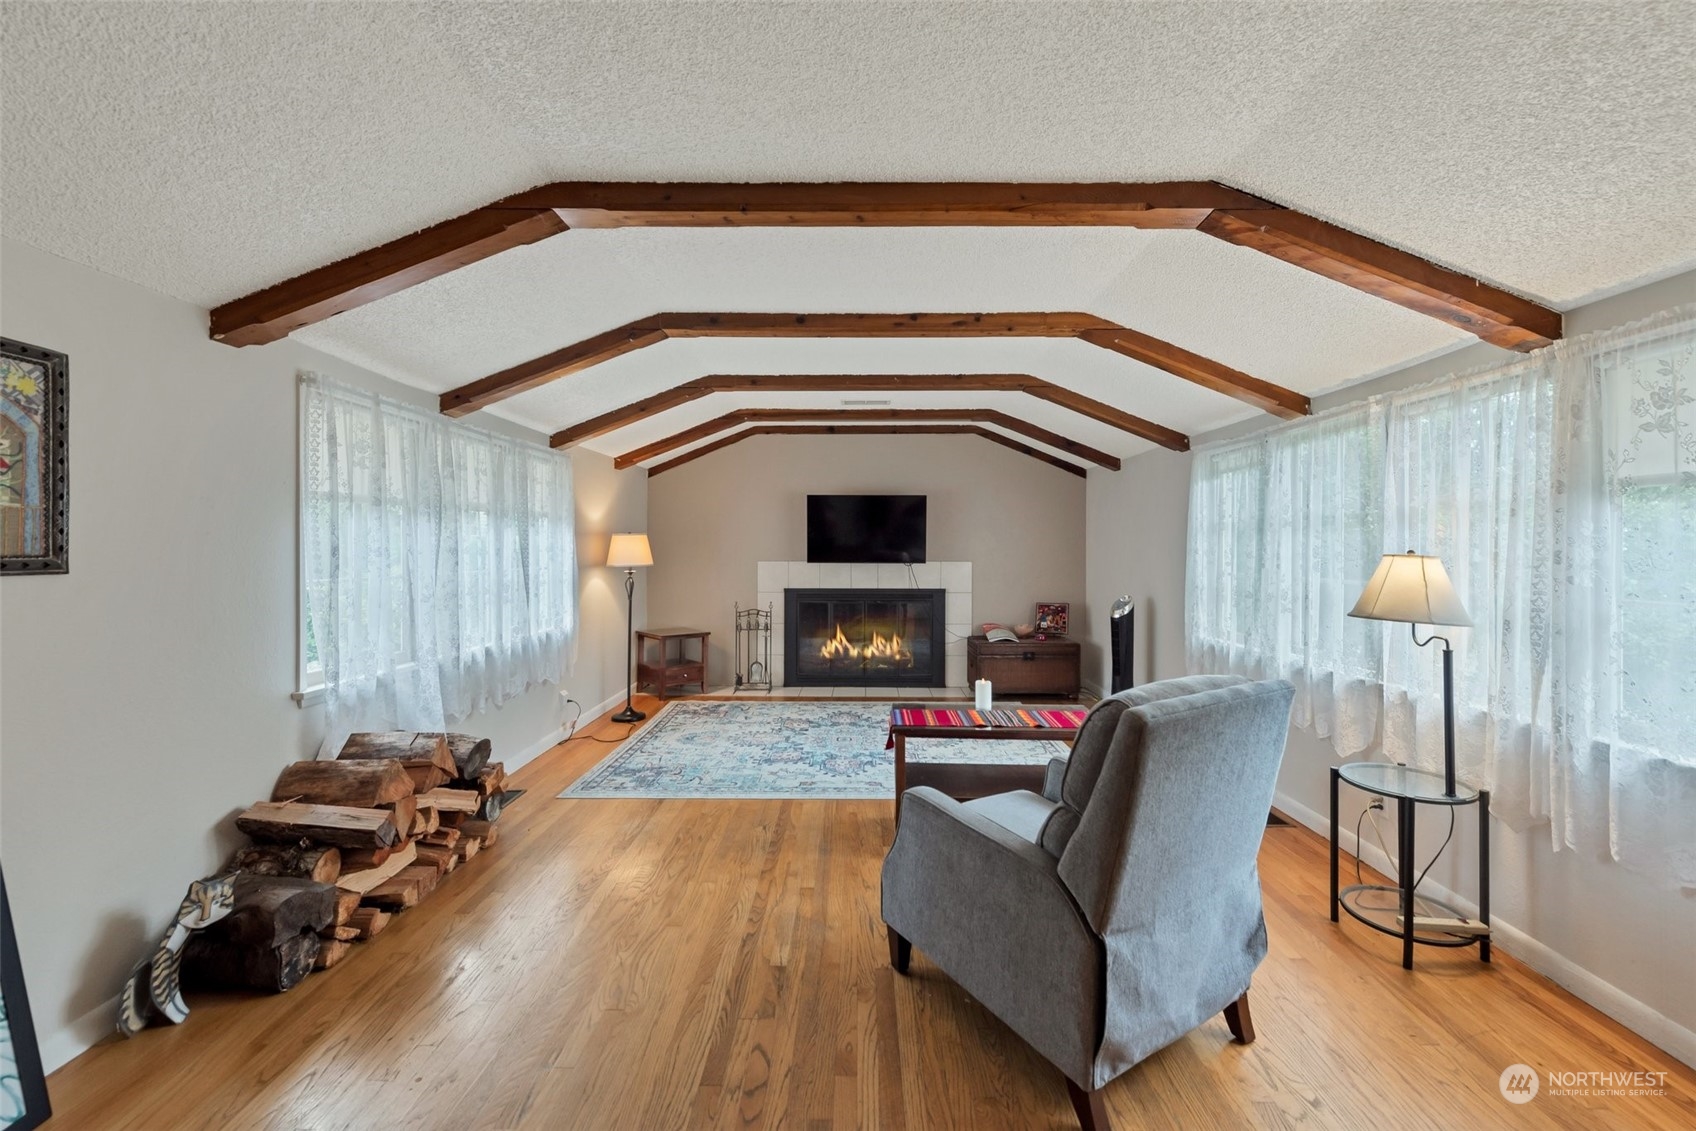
(866, 430)
(1352, 259)
(1397, 276)
(1113, 417)
(1027, 324)
(279, 310)
(540, 370)
(630, 413)
(1098, 411)
(1206, 372)
(894, 415)
(1171, 204)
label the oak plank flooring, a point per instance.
(721, 964)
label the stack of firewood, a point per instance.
(342, 846)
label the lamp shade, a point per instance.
(1414, 588)
(627, 551)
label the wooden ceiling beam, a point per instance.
(1169, 204)
(1206, 372)
(538, 371)
(1226, 213)
(862, 415)
(1098, 411)
(1027, 324)
(285, 307)
(1394, 275)
(866, 430)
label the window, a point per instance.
(1560, 491)
(438, 560)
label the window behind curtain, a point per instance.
(438, 560)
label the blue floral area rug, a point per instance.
(807, 749)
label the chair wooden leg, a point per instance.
(900, 951)
(1241, 1022)
(1092, 1112)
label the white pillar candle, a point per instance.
(982, 689)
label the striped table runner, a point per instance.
(1069, 718)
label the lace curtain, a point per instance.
(439, 561)
(1560, 491)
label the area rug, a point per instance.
(813, 748)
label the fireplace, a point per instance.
(864, 637)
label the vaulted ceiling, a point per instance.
(211, 151)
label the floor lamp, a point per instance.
(629, 552)
(1415, 588)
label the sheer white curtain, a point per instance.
(1560, 490)
(438, 561)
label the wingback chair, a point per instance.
(1120, 910)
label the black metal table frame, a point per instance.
(1405, 808)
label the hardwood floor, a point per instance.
(677, 964)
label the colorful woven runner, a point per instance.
(1065, 718)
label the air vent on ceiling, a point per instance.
(866, 404)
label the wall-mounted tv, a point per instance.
(865, 528)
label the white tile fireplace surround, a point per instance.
(953, 578)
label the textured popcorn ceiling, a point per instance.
(208, 150)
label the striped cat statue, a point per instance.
(152, 989)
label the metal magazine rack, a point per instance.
(753, 648)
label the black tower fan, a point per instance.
(1123, 637)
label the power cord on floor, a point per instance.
(571, 730)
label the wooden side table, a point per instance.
(666, 671)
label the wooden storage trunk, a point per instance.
(1025, 667)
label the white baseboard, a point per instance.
(64, 1045)
(1644, 1020)
(556, 736)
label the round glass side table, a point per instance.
(1411, 788)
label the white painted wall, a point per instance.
(1018, 521)
(1615, 937)
(145, 695)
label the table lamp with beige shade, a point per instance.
(1415, 588)
(629, 552)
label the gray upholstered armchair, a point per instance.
(1109, 918)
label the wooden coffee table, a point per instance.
(965, 780)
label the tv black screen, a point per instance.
(865, 528)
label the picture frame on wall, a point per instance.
(34, 458)
(23, 1085)
(1052, 618)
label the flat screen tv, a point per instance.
(865, 528)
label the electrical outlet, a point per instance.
(564, 695)
(1376, 803)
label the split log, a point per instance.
(407, 747)
(467, 847)
(340, 934)
(490, 779)
(451, 818)
(443, 838)
(361, 859)
(270, 910)
(330, 953)
(483, 830)
(366, 879)
(347, 902)
(440, 857)
(210, 961)
(404, 890)
(470, 754)
(452, 800)
(426, 778)
(426, 821)
(404, 810)
(303, 858)
(369, 920)
(490, 810)
(362, 785)
(340, 825)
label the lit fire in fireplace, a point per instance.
(889, 649)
